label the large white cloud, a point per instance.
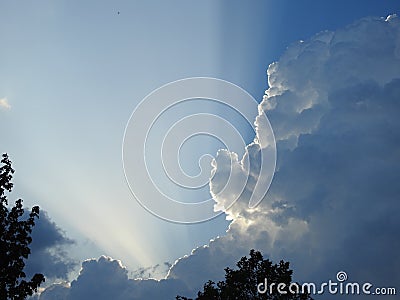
(333, 102)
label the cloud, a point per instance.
(106, 279)
(48, 250)
(4, 103)
(333, 102)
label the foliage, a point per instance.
(15, 237)
(242, 283)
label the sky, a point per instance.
(72, 75)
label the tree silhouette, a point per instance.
(15, 237)
(246, 282)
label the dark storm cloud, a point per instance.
(48, 250)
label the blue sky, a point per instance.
(73, 72)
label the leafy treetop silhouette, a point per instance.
(242, 283)
(15, 237)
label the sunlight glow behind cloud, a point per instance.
(333, 103)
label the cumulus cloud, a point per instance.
(333, 102)
(106, 279)
(4, 103)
